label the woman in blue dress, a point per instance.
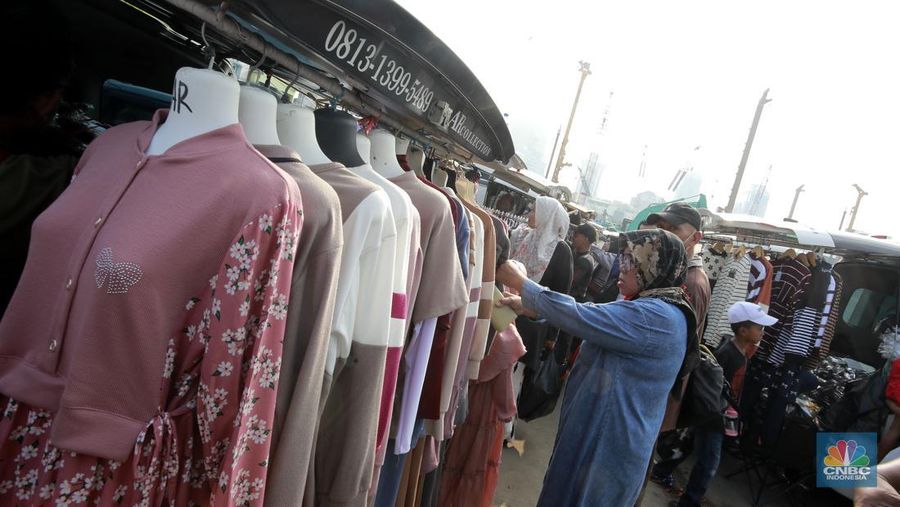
(633, 350)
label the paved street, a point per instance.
(521, 477)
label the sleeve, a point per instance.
(439, 270)
(243, 325)
(581, 276)
(622, 326)
(730, 359)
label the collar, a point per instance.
(323, 168)
(278, 151)
(223, 138)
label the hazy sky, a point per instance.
(688, 74)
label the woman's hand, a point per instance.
(515, 303)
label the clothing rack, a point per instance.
(512, 221)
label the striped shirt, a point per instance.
(833, 314)
(804, 332)
(730, 288)
(790, 278)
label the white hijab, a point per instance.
(534, 247)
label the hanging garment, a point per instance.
(759, 290)
(472, 466)
(308, 329)
(442, 289)
(430, 401)
(360, 333)
(798, 339)
(730, 288)
(764, 300)
(824, 349)
(460, 379)
(406, 221)
(140, 364)
(713, 262)
(823, 316)
(791, 277)
(486, 303)
(452, 360)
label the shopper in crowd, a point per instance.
(633, 351)
(584, 263)
(747, 321)
(685, 222)
(36, 158)
(541, 247)
(583, 268)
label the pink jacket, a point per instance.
(111, 267)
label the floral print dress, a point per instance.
(209, 443)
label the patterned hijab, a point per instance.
(661, 264)
(534, 247)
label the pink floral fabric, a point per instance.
(209, 444)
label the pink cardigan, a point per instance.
(112, 264)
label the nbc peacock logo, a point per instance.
(846, 459)
(846, 453)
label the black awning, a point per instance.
(396, 60)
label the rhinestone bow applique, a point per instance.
(119, 277)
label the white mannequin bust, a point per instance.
(257, 111)
(439, 176)
(402, 146)
(364, 146)
(416, 160)
(384, 158)
(202, 100)
(297, 130)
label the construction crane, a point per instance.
(585, 69)
(760, 191)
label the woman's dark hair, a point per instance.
(588, 232)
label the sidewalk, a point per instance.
(521, 477)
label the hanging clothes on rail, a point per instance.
(360, 334)
(441, 290)
(730, 288)
(163, 352)
(832, 315)
(759, 290)
(472, 466)
(713, 261)
(308, 330)
(790, 278)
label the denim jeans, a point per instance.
(708, 449)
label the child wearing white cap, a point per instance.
(747, 321)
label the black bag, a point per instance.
(540, 388)
(862, 408)
(534, 333)
(703, 401)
